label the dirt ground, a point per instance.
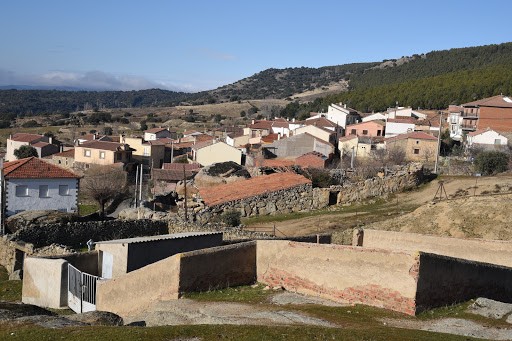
(476, 207)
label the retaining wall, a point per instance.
(374, 277)
(480, 250)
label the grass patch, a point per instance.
(241, 294)
(86, 209)
(221, 332)
(10, 291)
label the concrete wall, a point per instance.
(32, 201)
(445, 280)
(480, 250)
(164, 280)
(45, 280)
(139, 289)
(218, 152)
(132, 256)
(218, 267)
(298, 145)
(374, 277)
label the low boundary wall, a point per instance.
(212, 268)
(480, 250)
(378, 278)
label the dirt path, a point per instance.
(397, 210)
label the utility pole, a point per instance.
(136, 184)
(439, 141)
(185, 188)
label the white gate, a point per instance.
(81, 290)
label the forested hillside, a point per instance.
(34, 102)
(431, 81)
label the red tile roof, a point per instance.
(179, 166)
(276, 163)
(347, 138)
(40, 144)
(409, 120)
(34, 168)
(66, 153)
(155, 130)
(311, 160)
(25, 137)
(252, 187)
(263, 124)
(270, 138)
(320, 122)
(419, 135)
(104, 145)
(499, 101)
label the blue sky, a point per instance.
(198, 45)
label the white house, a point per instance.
(487, 138)
(210, 152)
(374, 117)
(43, 144)
(398, 126)
(400, 112)
(33, 184)
(157, 133)
(341, 115)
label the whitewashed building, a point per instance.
(341, 115)
(488, 139)
(33, 184)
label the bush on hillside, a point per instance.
(491, 162)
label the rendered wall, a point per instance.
(374, 277)
(445, 280)
(480, 250)
(45, 282)
(139, 289)
(218, 267)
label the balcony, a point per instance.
(469, 115)
(470, 127)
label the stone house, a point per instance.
(166, 179)
(418, 146)
(64, 159)
(102, 153)
(33, 184)
(43, 145)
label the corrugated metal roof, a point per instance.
(156, 238)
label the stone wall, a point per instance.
(296, 199)
(77, 234)
(379, 278)
(397, 180)
(480, 250)
(12, 254)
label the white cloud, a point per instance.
(92, 80)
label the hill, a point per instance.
(430, 81)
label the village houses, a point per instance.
(41, 143)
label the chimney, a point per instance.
(50, 140)
(278, 136)
(252, 121)
(345, 106)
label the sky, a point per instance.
(201, 45)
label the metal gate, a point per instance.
(81, 290)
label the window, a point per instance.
(417, 142)
(63, 190)
(353, 132)
(379, 132)
(43, 191)
(102, 155)
(21, 191)
(146, 151)
(497, 141)
(365, 132)
(416, 151)
(87, 152)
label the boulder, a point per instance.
(98, 318)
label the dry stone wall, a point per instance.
(398, 180)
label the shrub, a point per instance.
(491, 162)
(231, 218)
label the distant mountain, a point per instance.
(41, 87)
(432, 80)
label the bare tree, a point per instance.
(103, 184)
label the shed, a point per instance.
(117, 257)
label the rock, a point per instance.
(98, 318)
(16, 276)
(10, 311)
(490, 308)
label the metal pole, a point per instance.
(140, 184)
(136, 183)
(352, 159)
(438, 141)
(185, 188)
